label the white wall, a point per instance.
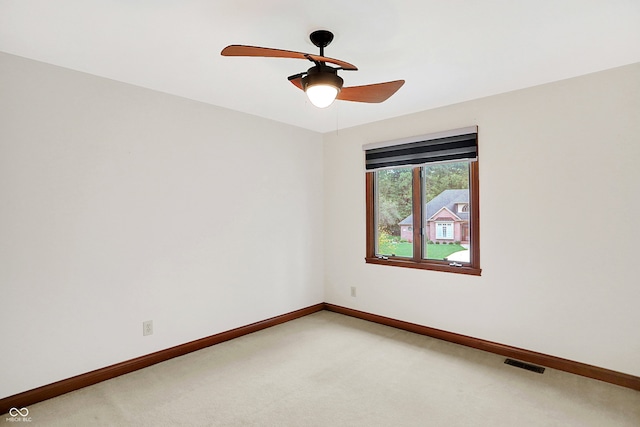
(119, 205)
(559, 203)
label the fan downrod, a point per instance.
(322, 39)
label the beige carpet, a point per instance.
(332, 370)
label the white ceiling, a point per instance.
(447, 51)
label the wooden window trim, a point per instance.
(473, 268)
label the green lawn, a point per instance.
(405, 249)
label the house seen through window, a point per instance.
(424, 215)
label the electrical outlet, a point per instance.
(147, 327)
(353, 291)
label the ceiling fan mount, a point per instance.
(321, 82)
(321, 39)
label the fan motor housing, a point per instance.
(321, 74)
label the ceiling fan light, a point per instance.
(322, 85)
(322, 95)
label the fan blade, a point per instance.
(297, 81)
(370, 93)
(240, 50)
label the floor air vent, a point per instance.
(527, 366)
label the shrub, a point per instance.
(386, 241)
(457, 242)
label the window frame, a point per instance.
(418, 261)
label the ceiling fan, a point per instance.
(321, 82)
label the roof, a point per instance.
(447, 199)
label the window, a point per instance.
(444, 230)
(422, 202)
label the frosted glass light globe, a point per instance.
(322, 95)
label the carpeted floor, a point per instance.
(327, 369)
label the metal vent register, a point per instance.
(527, 366)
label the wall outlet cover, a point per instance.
(147, 327)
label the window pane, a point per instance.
(394, 222)
(446, 197)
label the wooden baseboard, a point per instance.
(65, 386)
(613, 377)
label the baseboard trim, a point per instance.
(606, 375)
(83, 380)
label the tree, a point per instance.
(395, 191)
(446, 176)
(394, 198)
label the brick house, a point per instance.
(447, 218)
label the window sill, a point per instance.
(425, 265)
